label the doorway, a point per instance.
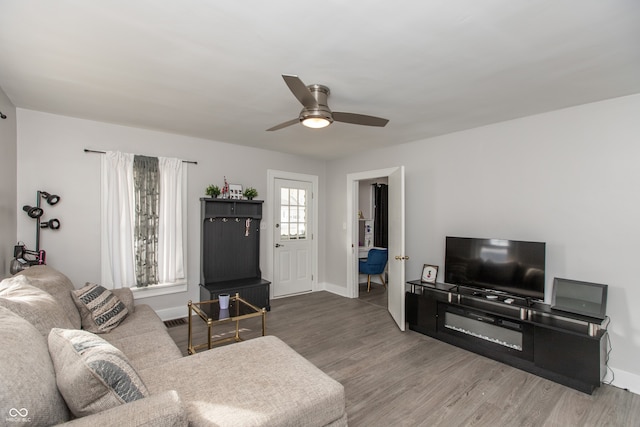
(396, 224)
(372, 235)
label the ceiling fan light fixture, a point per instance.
(316, 122)
(316, 113)
(316, 118)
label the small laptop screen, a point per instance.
(588, 299)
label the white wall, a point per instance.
(51, 158)
(8, 206)
(365, 199)
(569, 178)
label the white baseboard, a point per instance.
(334, 289)
(624, 380)
(172, 313)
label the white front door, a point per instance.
(293, 248)
(397, 257)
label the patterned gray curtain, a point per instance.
(147, 191)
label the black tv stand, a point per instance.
(521, 332)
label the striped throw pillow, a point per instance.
(101, 311)
(92, 375)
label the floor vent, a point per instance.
(175, 322)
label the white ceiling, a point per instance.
(212, 69)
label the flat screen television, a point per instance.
(509, 266)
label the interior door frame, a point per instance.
(353, 180)
(270, 218)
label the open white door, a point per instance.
(396, 267)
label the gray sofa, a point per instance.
(259, 382)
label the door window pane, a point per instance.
(293, 213)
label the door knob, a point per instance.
(278, 245)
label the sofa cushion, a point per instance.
(91, 374)
(257, 382)
(28, 381)
(34, 305)
(159, 410)
(101, 311)
(58, 285)
(144, 339)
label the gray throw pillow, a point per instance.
(92, 375)
(100, 310)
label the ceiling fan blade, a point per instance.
(359, 119)
(285, 124)
(300, 90)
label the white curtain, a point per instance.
(118, 221)
(118, 210)
(170, 239)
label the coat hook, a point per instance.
(2, 116)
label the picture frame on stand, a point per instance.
(429, 273)
(235, 191)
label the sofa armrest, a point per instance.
(126, 296)
(163, 410)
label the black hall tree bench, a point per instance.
(230, 250)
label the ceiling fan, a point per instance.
(316, 113)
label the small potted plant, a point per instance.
(213, 191)
(250, 193)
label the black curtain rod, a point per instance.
(86, 150)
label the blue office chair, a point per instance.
(374, 264)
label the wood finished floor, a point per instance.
(394, 378)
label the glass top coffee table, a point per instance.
(211, 314)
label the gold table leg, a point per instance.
(189, 344)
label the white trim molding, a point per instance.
(625, 380)
(335, 289)
(172, 313)
(157, 290)
(352, 224)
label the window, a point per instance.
(143, 232)
(293, 214)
